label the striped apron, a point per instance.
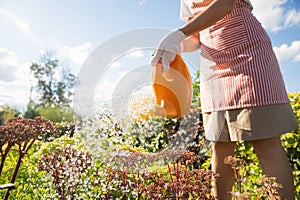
(238, 67)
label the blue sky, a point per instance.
(73, 29)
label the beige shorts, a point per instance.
(249, 123)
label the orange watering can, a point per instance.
(173, 90)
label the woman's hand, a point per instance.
(168, 47)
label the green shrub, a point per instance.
(7, 113)
(58, 113)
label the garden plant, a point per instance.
(156, 158)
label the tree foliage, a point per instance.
(54, 83)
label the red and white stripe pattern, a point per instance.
(246, 72)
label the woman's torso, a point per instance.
(243, 69)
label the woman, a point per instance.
(243, 95)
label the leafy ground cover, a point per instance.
(99, 159)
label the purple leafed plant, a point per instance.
(21, 132)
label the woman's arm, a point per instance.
(213, 13)
(192, 43)
(171, 44)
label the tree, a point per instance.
(54, 83)
(31, 110)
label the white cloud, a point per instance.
(142, 2)
(8, 65)
(14, 79)
(79, 53)
(14, 93)
(297, 58)
(292, 18)
(115, 65)
(22, 25)
(288, 52)
(75, 56)
(274, 16)
(16, 19)
(135, 52)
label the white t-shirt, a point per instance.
(186, 12)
